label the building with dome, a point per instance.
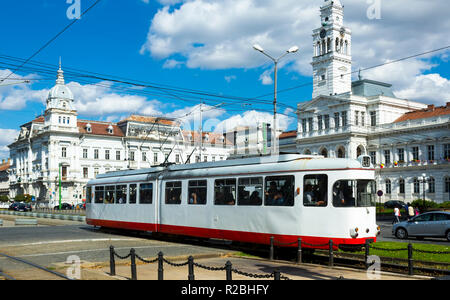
(58, 147)
(408, 141)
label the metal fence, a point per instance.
(190, 263)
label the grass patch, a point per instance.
(429, 257)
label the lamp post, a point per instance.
(424, 178)
(293, 49)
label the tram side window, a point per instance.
(351, 193)
(279, 191)
(121, 194)
(99, 194)
(146, 193)
(197, 192)
(315, 190)
(173, 192)
(225, 192)
(250, 191)
(133, 192)
(110, 195)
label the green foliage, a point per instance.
(424, 205)
(23, 198)
(4, 198)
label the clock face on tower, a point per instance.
(342, 32)
(323, 33)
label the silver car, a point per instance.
(431, 224)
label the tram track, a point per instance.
(36, 271)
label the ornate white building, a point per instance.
(406, 139)
(58, 146)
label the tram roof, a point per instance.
(309, 162)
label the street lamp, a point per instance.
(293, 49)
(424, 178)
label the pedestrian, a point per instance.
(396, 215)
(411, 212)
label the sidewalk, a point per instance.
(246, 265)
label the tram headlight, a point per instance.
(354, 232)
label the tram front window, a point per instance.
(354, 193)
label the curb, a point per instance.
(78, 218)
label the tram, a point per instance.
(249, 200)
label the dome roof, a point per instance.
(335, 2)
(60, 90)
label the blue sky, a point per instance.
(206, 45)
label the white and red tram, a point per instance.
(248, 200)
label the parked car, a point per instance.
(64, 206)
(394, 204)
(16, 206)
(431, 224)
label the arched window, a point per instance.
(388, 186)
(328, 45)
(341, 152)
(307, 152)
(346, 48)
(359, 151)
(337, 45)
(324, 152)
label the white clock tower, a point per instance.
(332, 61)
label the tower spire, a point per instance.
(60, 77)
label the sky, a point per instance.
(205, 46)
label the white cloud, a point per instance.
(219, 34)
(7, 136)
(252, 118)
(430, 88)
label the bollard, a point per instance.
(133, 264)
(366, 255)
(112, 262)
(271, 248)
(160, 266)
(276, 275)
(410, 259)
(229, 271)
(191, 268)
(331, 261)
(299, 251)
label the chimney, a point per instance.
(431, 107)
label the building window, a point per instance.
(344, 118)
(415, 153)
(416, 186)
(96, 172)
(177, 158)
(373, 118)
(85, 153)
(117, 155)
(387, 156)
(363, 119)
(319, 122)
(304, 129)
(310, 124)
(107, 154)
(95, 153)
(431, 185)
(447, 184)
(155, 158)
(357, 118)
(85, 172)
(388, 187)
(446, 151)
(64, 152)
(373, 157)
(401, 184)
(430, 152)
(144, 156)
(327, 121)
(132, 156)
(401, 154)
(341, 152)
(336, 120)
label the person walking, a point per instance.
(411, 212)
(397, 215)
